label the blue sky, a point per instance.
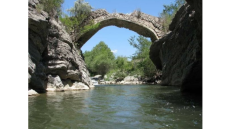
(117, 38)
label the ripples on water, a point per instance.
(116, 106)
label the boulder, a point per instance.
(130, 79)
(54, 84)
(31, 92)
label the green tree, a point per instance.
(144, 65)
(78, 13)
(80, 8)
(76, 22)
(122, 64)
(169, 12)
(100, 59)
(52, 7)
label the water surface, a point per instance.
(116, 106)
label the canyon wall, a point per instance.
(179, 53)
(54, 63)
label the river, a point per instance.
(116, 106)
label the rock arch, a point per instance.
(143, 24)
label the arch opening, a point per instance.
(145, 25)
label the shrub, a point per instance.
(138, 13)
(52, 7)
(169, 12)
(100, 60)
(77, 21)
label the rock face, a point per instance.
(54, 84)
(53, 58)
(130, 80)
(179, 53)
(141, 23)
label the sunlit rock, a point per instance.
(32, 92)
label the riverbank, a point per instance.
(128, 80)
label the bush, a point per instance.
(52, 7)
(80, 8)
(138, 13)
(169, 12)
(77, 21)
(100, 60)
(143, 64)
(118, 76)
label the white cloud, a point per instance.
(114, 51)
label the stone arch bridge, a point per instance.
(143, 24)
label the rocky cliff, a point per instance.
(54, 64)
(179, 53)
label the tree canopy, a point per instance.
(100, 59)
(52, 7)
(80, 8)
(169, 12)
(76, 22)
(141, 57)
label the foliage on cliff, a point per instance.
(52, 7)
(76, 20)
(169, 12)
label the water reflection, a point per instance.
(138, 106)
